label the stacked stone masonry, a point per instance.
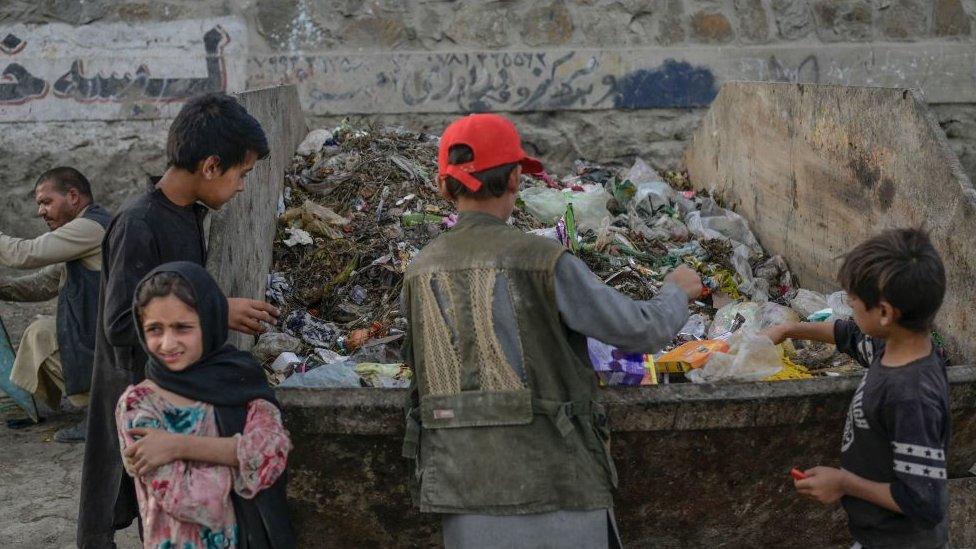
(93, 84)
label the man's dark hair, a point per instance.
(494, 181)
(899, 266)
(214, 124)
(64, 179)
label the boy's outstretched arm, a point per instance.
(590, 307)
(809, 331)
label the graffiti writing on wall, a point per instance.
(561, 79)
(486, 81)
(151, 71)
(19, 85)
(808, 71)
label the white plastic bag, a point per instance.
(339, 374)
(285, 360)
(314, 142)
(297, 237)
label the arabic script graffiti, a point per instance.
(18, 85)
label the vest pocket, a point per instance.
(476, 409)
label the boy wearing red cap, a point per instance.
(510, 443)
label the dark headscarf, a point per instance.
(228, 379)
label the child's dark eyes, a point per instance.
(181, 329)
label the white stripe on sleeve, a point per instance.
(915, 450)
(919, 470)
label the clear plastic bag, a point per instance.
(675, 230)
(713, 221)
(753, 357)
(548, 205)
(807, 302)
(724, 319)
(840, 305)
(695, 328)
(651, 191)
(773, 314)
(758, 316)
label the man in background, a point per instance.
(56, 353)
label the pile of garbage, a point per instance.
(360, 203)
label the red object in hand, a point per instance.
(797, 474)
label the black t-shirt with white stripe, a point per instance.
(897, 432)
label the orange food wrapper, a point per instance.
(691, 355)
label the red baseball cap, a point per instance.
(493, 140)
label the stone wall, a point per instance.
(93, 84)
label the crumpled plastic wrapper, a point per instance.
(311, 330)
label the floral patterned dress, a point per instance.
(187, 505)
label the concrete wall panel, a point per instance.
(818, 169)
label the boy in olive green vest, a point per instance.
(510, 443)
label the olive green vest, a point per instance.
(493, 430)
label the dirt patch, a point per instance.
(40, 482)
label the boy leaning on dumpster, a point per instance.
(510, 445)
(893, 454)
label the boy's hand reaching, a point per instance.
(245, 315)
(777, 333)
(686, 279)
(824, 484)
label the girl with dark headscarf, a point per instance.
(202, 435)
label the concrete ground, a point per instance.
(39, 485)
(39, 479)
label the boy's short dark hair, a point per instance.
(64, 179)
(214, 124)
(899, 266)
(494, 181)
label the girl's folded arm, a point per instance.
(187, 493)
(262, 449)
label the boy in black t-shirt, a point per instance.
(893, 454)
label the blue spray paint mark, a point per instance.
(675, 84)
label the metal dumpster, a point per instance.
(814, 169)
